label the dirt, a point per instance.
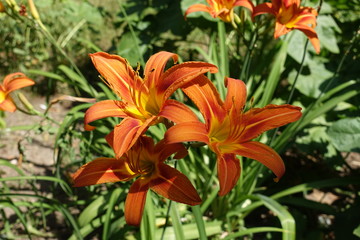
(30, 149)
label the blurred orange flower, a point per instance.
(2, 8)
(11, 83)
(144, 101)
(289, 15)
(223, 9)
(228, 130)
(146, 161)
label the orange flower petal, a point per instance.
(280, 29)
(155, 66)
(177, 112)
(198, 8)
(263, 8)
(135, 202)
(259, 120)
(228, 168)
(127, 132)
(236, 94)
(174, 185)
(186, 132)
(103, 109)
(244, 3)
(102, 170)
(311, 34)
(206, 97)
(166, 150)
(8, 105)
(264, 154)
(117, 72)
(289, 3)
(180, 74)
(16, 81)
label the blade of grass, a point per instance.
(19, 214)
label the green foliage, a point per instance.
(345, 134)
(285, 70)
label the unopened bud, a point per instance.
(33, 10)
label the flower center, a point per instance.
(285, 14)
(219, 131)
(2, 96)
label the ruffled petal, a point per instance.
(259, 120)
(181, 74)
(177, 112)
(228, 168)
(103, 109)
(236, 94)
(8, 104)
(102, 170)
(206, 97)
(264, 154)
(118, 74)
(135, 201)
(187, 132)
(155, 67)
(174, 185)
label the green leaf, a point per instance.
(128, 48)
(296, 49)
(357, 231)
(276, 69)
(310, 84)
(191, 230)
(326, 31)
(345, 135)
(286, 219)
(110, 208)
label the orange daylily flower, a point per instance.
(289, 15)
(229, 131)
(11, 83)
(223, 9)
(145, 161)
(144, 101)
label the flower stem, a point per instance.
(298, 73)
(199, 222)
(224, 57)
(246, 66)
